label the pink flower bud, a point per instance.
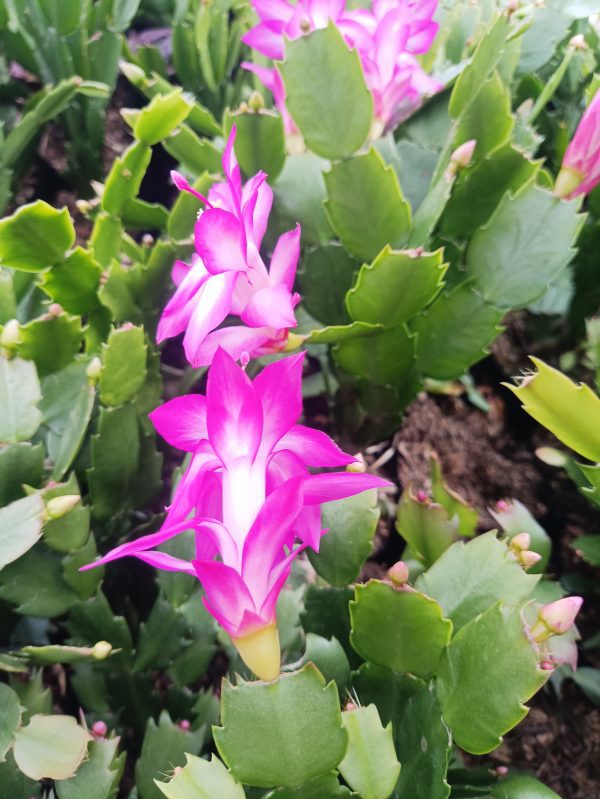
(547, 665)
(422, 496)
(398, 573)
(520, 542)
(99, 729)
(502, 771)
(527, 559)
(580, 170)
(184, 725)
(502, 506)
(463, 155)
(556, 618)
(350, 706)
(55, 309)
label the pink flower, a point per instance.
(227, 276)
(387, 37)
(580, 171)
(253, 502)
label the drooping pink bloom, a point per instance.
(247, 493)
(387, 38)
(228, 276)
(580, 171)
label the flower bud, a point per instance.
(55, 309)
(463, 155)
(184, 725)
(102, 650)
(94, 369)
(350, 706)
(422, 497)
(502, 506)
(398, 573)
(10, 336)
(359, 466)
(578, 42)
(520, 542)
(528, 558)
(556, 618)
(57, 507)
(256, 102)
(99, 729)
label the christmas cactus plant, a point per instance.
(359, 195)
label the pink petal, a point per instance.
(284, 260)
(190, 487)
(267, 38)
(270, 307)
(182, 421)
(179, 271)
(264, 543)
(276, 583)
(235, 415)
(176, 314)
(314, 447)
(211, 305)
(231, 167)
(139, 545)
(227, 597)
(269, 10)
(161, 560)
(221, 242)
(221, 539)
(183, 185)
(327, 487)
(279, 388)
(235, 341)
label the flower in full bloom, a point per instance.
(228, 276)
(580, 170)
(387, 38)
(249, 496)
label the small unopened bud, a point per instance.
(55, 309)
(94, 369)
(551, 456)
(102, 650)
(147, 240)
(512, 6)
(57, 507)
(11, 335)
(351, 706)
(520, 542)
(547, 665)
(528, 558)
(398, 573)
(177, 770)
(578, 42)
(256, 102)
(502, 506)
(83, 206)
(359, 466)
(305, 25)
(422, 497)
(184, 725)
(502, 771)
(127, 326)
(463, 155)
(556, 618)
(99, 729)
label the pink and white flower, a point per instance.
(228, 276)
(387, 38)
(248, 494)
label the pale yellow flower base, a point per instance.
(260, 651)
(567, 181)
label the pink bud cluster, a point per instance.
(387, 37)
(580, 171)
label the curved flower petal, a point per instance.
(314, 447)
(182, 421)
(284, 260)
(234, 412)
(237, 340)
(221, 241)
(211, 306)
(270, 307)
(328, 487)
(227, 597)
(279, 387)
